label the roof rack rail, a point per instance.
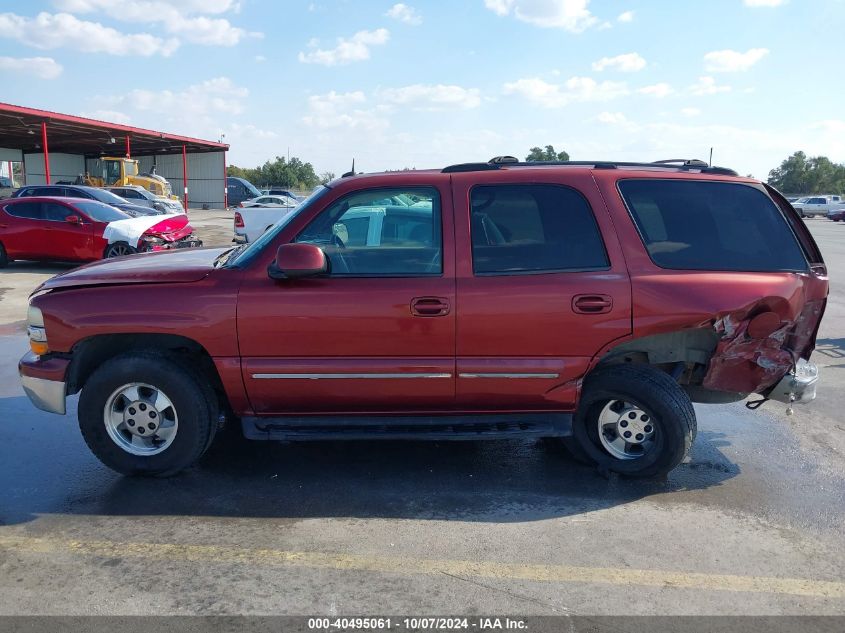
(683, 164)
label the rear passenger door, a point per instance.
(541, 288)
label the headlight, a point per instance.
(36, 331)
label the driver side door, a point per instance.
(375, 334)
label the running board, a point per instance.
(383, 427)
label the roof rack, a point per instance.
(682, 164)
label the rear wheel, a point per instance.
(634, 420)
(119, 249)
(143, 413)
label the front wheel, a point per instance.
(634, 420)
(119, 249)
(143, 413)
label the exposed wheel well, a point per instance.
(685, 354)
(92, 352)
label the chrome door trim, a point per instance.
(345, 376)
(508, 375)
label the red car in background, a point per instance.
(837, 214)
(80, 230)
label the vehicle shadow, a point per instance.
(495, 481)
(29, 267)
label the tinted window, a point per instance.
(74, 193)
(46, 191)
(99, 211)
(104, 196)
(533, 228)
(362, 236)
(696, 225)
(55, 211)
(31, 210)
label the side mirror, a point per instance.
(295, 261)
(73, 219)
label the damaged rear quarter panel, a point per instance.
(728, 301)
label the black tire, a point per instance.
(4, 258)
(115, 250)
(193, 399)
(656, 394)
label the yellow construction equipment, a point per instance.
(111, 171)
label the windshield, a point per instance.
(105, 196)
(802, 200)
(100, 212)
(245, 256)
(250, 188)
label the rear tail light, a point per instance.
(239, 221)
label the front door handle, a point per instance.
(592, 304)
(429, 306)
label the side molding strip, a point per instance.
(344, 376)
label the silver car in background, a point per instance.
(142, 197)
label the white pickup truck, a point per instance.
(817, 205)
(255, 216)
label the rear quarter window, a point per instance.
(701, 225)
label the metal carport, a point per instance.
(55, 146)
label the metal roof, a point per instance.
(20, 128)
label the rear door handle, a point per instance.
(592, 304)
(429, 306)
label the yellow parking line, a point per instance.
(399, 565)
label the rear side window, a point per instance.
(29, 210)
(533, 229)
(698, 225)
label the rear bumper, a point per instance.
(799, 385)
(44, 382)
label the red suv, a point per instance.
(592, 302)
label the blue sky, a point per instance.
(424, 84)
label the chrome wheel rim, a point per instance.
(119, 250)
(140, 419)
(626, 431)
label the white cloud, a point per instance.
(214, 96)
(660, 91)
(111, 116)
(627, 16)
(62, 30)
(41, 67)
(707, 86)
(576, 89)
(260, 59)
(571, 15)
(433, 97)
(764, 3)
(404, 13)
(347, 110)
(354, 49)
(236, 132)
(628, 63)
(728, 61)
(690, 112)
(612, 118)
(186, 18)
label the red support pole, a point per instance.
(185, 175)
(46, 151)
(225, 185)
(11, 174)
(128, 150)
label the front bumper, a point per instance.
(44, 382)
(799, 385)
(188, 242)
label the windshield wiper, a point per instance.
(224, 257)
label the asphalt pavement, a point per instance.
(750, 524)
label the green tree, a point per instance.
(548, 154)
(293, 174)
(326, 176)
(799, 174)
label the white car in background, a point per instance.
(255, 216)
